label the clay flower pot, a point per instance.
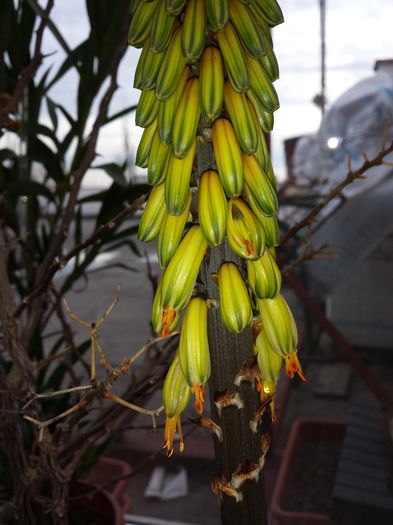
(304, 432)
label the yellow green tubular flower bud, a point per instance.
(157, 313)
(260, 186)
(241, 17)
(133, 5)
(235, 304)
(212, 207)
(262, 152)
(168, 108)
(159, 157)
(161, 29)
(264, 277)
(245, 234)
(270, 224)
(176, 395)
(177, 184)
(179, 277)
(234, 59)
(211, 76)
(269, 60)
(262, 86)
(269, 364)
(142, 153)
(147, 109)
(151, 67)
(266, 118)
(217, 14)
(281, 332)
(171, 232)
(174, 7)
(153, 215)
(271, 175)
(228, 157)
(186, 119)
(141, 23)
(138, 77)
(172, 67)
(194, 349)
(241, 118)
(194, 29)
(269, 10)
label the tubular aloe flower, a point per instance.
(264, 277)
(235, 304)
(179, 277)
(212, 207)
(176, 395)
(245, 233)
(171, 232)
(281, 332)
(270, 224)
(194, 349)
(158, 318)
(269, 363)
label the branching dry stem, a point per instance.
(377, 160)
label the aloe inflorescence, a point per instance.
(212, 62)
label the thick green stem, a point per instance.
(239, 446)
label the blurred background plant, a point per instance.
(44, 157)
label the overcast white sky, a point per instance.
(358, 33)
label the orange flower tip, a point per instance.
(199, 392)
(259, 386)
(292, 366)
(168, 316)
(198, 406)
(250, 248)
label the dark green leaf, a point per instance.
(56, 33)
(29, 188)
(114, 265)
(120, 114)
(52, 112)
(7, 154)
(133, 247)
(115, 171)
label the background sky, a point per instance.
(358, 32)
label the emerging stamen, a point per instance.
(168, 316)
(250, 248)
(199, 392)
(169, 434)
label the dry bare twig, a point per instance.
(377, 160)
(101, 389)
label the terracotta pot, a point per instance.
(107, 469)
(303, 430)
(102, 505)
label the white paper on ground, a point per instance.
(165, 484)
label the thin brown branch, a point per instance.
(127, 212)
(44, 268)
(29, 71)
(97, 390)
(152, 341)
(309, 252)
(55, 394)
(378, 160)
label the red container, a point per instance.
(303, 431)
(107, 469)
